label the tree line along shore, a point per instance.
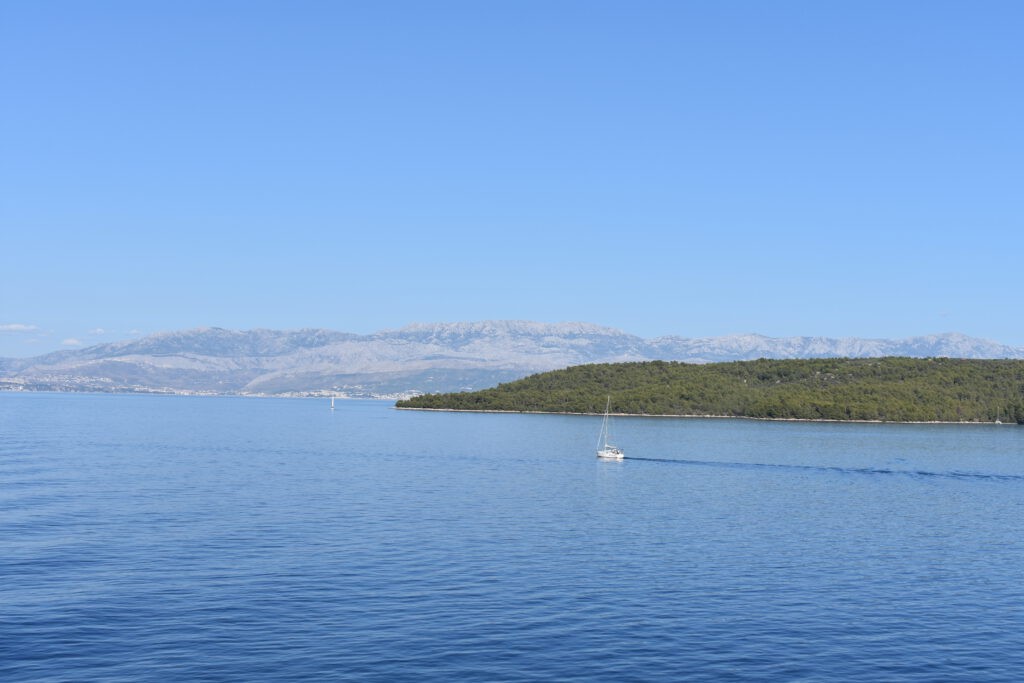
(891, 389)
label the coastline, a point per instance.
(708, 417)
(392, 397)
(149, 391)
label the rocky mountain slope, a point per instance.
(414, 359)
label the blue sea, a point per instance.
(164, 538)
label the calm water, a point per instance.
(175, 538)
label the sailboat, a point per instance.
(605, 450)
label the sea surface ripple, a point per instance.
(154, 538)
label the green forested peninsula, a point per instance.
(886, 389)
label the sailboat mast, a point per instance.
(602, 439)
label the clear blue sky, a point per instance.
(693, 168)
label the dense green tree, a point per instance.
(887, 389)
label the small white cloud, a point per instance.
(71, 342)
(97, 331)
(17, 327)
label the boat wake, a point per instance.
(881, 471)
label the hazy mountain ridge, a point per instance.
(753, 346)
(415, 359)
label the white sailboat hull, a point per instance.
(610, 453)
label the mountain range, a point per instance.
(419, 358)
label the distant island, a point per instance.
(417, 359)
(892, 389)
